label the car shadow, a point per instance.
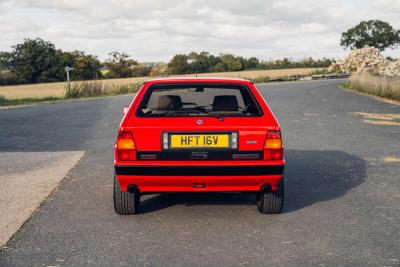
(165, 200)
(314, 176)
(311, 176)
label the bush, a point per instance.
(95, 89)
(85, 89)
(126, 89)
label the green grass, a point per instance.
(24, 101)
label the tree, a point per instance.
(198, 62)
(36, 60)
(33, 61)
(86, 67)
(5, 58)
(179, 65)
(375, 33)
(231, 63)
(251, 63)
(6, 76)
(120, 65)
(141, 70)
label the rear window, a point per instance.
(198, 100)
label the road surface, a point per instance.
(342, 205)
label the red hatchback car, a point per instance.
(198, 135)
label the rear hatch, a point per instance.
(199, 138)
(200, 122)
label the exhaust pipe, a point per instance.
(132, 188)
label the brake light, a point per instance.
(273, 149)
(126, 148)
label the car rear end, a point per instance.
(198, 135)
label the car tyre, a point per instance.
(125, 203)
(271, 202)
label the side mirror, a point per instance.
(125, 110)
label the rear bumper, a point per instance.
(187, 178)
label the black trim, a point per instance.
(199, 170)
(242, 87)
(187, 154)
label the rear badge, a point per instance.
(199, 122)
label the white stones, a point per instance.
(367, 59)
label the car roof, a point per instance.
(198, 80)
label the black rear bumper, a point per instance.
(199, 170)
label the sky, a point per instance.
(155, 30)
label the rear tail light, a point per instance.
(126, 148)
(273, 149)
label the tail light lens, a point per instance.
(126, 148)
(273, 149)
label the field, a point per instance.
(46, 90)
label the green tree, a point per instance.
(34, 61)
(374, 33)
(141, 70)
(179, 65)
(5, 58)
(86, 67)
(251, 63)
(202, 62)
(231, 63)
(39, 61)
(6, 76)
(68, 59)
(120, 65)
(219, 67)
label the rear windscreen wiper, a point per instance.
(186, 110)
(220, 117)
(199, 112)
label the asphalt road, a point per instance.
(342, 198)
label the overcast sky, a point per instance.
(155, 30)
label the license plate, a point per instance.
(179, 141)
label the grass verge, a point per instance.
(25, 101)
(96, 89)
(78, 90)
(385, 87)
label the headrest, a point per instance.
(225, 103)
(169, 102)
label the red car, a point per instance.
(198, 135)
